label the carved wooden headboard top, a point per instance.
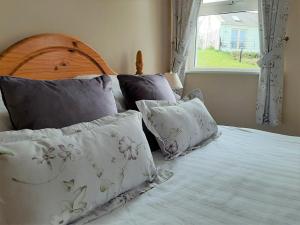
(51, 57)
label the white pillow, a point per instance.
(57, 178)
(178, 127)
(119, 98)
(195, 93)
(5, 123)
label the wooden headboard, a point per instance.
(51, 57)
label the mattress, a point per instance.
(243, 177)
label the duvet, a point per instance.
(245, 176)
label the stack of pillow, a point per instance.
(78, 144)
(176, 126)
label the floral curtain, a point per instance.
(184, 22)
(273, 18)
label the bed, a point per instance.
(245, 176)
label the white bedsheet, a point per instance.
(244, 177)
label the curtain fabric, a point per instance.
(273, 15)
(184, 22)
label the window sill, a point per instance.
(242, 72)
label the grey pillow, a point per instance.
(119, 98)
(35, 104)
(145, 87)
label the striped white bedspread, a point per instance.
(245, 177)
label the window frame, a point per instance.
(228, 6)
(215, 8)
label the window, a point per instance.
(234, 39)
(227, 35)
(238, 40)
(242, 39)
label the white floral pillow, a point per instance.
(178, 127)
(60, 177)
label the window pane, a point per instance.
(242, 39)
(228, 40)
(234, 39)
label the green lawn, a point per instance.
(211, 58)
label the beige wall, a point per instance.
(232, 98)
(115, 28)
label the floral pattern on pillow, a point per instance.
(178, 127)
(74, 171)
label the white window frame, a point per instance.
(228, 6)
(222, 7)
